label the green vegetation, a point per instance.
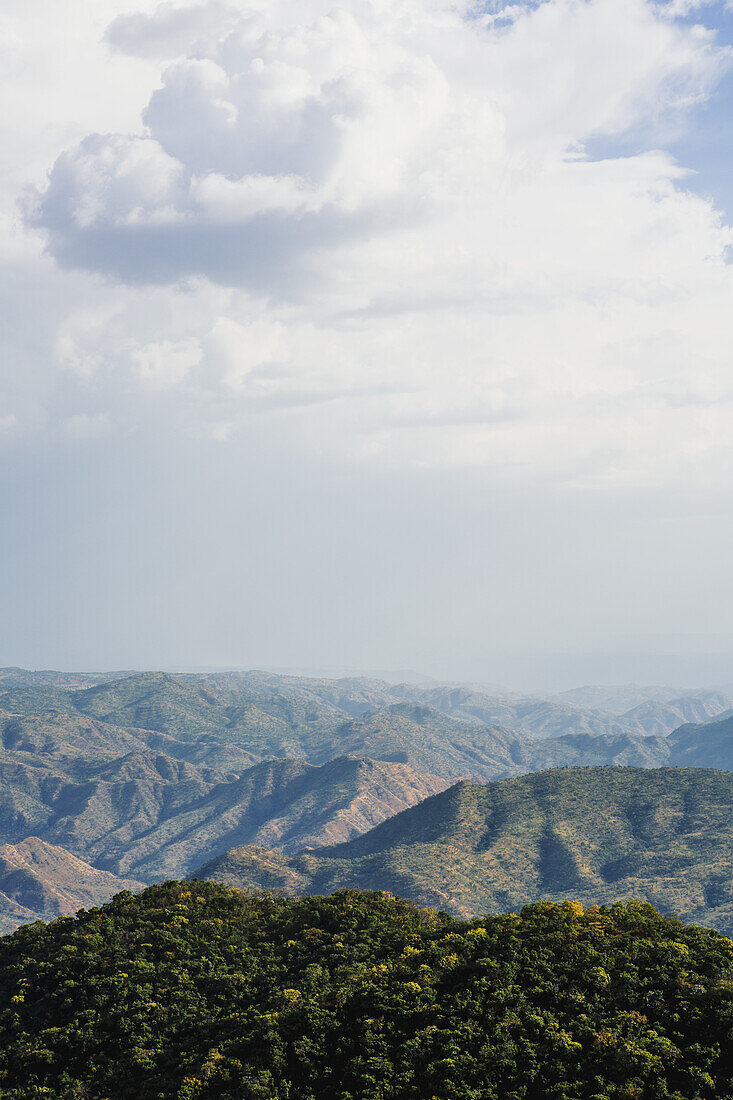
(195, 991)
(597, 834)
(700, 746)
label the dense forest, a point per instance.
(194, 990)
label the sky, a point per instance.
(387, 334)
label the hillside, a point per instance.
(709, 745)
(195, 991)
(283, 803)
(150, 816)
(429, 740)
(526, 715)
(661, 718)
(229, 721)
(622, 700)
(596, 834)
(586, 750)
(41, 881)
(617, 698)
(23, 677)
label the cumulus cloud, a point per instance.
(301, 130)
(410, 243)
(171, 29)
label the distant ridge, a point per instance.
(149, 816)
(150, 775)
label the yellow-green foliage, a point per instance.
(200, 992)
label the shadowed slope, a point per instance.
(153, 816)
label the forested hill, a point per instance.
(195, 991)
(597, 834)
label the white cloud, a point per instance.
(165, 363)
(170, 29)
(303, 131)
(379, 222)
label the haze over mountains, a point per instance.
(131, 778)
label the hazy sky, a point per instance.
(385, 333)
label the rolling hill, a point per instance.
(661, 718)
(198, 992)
(709, 745)
(595, 834)
(270, 716)
(621, 699)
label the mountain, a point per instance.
(661, 718)
(617, 699)
(588, 750)
(196, 991)
(447, 730)
(595, 834)
(428, 740)
(282, 803)
(22, 677)
(42, 881)
(270, 716)
(528, 716)
(236, 719)
(53, 735)
(148, 776)
(151, 816)
(352, 695)
(152, 701)
(709, 745)
(653, 711)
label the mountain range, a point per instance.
(152, 817)
(147, 776)
(230, 721)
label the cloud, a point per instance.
(303, 133)
(170, 30)
(352, 301)
(165, 363)
(380, 223)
